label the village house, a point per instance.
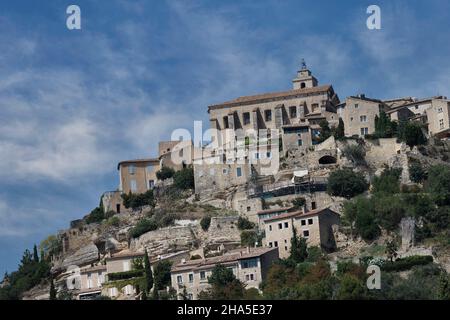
(438, 117)
(270, 213)
(249, 265)
(315, 226)
(138, 176)
(358, 114)
(91, 281)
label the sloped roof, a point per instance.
(299, 214)
(273, 95)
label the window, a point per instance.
(299, 142)
(100, 279)
(314, 107)
(285, 241)
(286, 224)
(268, 115)
(131, 169)
(270, 228)
(303, 222)
(256, 155)
(293, 112)
(226, 125)
(151, 184)
(275, 244)
(440, 110)
(118, 208)
(239, 172)
(356, 106)
(246, 116)
(202, 275)
(310, 221)
(306, 233)
(364, 131)
(126, 266)
(280, 226)
(133, 185)
(416, 106)
(363, 118)
(225, 171)
(313, 205)
(270, 244)
(249, 263)
(191, 277)
(441, 123)
(179, 279)
(351, 118)
(89, 281)
(248, 209)
(269, 155)
(285, 248)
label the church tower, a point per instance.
(304, 78)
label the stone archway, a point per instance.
(327, 160)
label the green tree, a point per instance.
(351, 288)
(161, 275)
(148, 273)
(184, 179)
(224, 285)
(205, 222)
(384, 127)
(346, 183)
(388, 182)
(417, 173)
(339, 131)
(299, 249)
(53, 291)
(325, 131)
(444, 287)
(411, 133)
(165, 173)
(245, 224)
(438, 183)
(35, 254)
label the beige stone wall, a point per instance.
(97, 278)
(112, 201)
(119, 264)
(352, 116)
(438, 116)
(250, 208)
(143, 174)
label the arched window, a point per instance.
(302, 85)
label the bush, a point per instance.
(135, 201)
(406, 263)
(438, 183)
(113, 221)
(143, 226)
(165, 173)
(298, 203)
(346, 183)
(184, 179)
(387, 182)
(205, 223)
(411, 133)
(96, 215)
(249, 238)
(125, 275)
(245, 224)
(417, 173)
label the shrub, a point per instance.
(417, 173)
(205, 223)
(298, 203)
(184, 179)
(96, 215)
(366, 225)
(143, 226)
(125, 275)
(406, 263)
(165, 173)
(384, 126)
(346, 183)
(387, 182)
(249, 238)
(411, 133)
(113, 221)
(135, 201)
(438, 183)
(244, 224)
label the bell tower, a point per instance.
(304, 78)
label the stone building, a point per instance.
(249, 265)
(438, 118)
(315, 226)
(91, 281)
(358, 114)
(138, 176)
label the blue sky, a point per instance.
(74, 103)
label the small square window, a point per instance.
(286, 224)
(303, 222)
(305, 233)
(268, 115)
(280, 226)
(356, 106)
(202, 275)
(310, 221)
(246, 116)
(276, 244)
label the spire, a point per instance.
(304, 64)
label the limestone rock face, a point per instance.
(85, 255)
(407, 227)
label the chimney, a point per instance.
(183, 261)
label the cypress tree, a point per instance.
(35, 254)
(148, 273)
(298, 247)
(52, 290)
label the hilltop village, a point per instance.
(293, 181)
